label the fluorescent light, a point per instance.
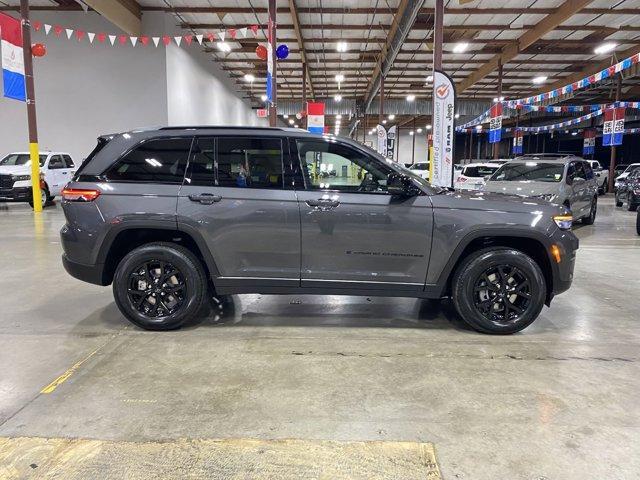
(342, 46)
(338, 116)
(540, 79)
(291, 121)
(428, 127)
(419, 130)
(460, 47)
(411, 133)
(478, 127)
(411, 97)
(338, 98)
(457, 115)
(339, 78)
(285, 116)
(384, 122)
(429, 78)
(249, 78)
(263, 98)
(224, 47)
(392, 117)
(605, 48)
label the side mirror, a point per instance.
(400, 186)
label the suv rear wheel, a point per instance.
(593, 210)
(159, 286)
(499, 290)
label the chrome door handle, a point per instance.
(323, 203)
(205, 198)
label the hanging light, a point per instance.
(411, 133)
(540, 79)
(224, 47)
(338, 116)
(419, 130)
(460, 47)
(457, 116)
(285, 116)
(428, 127)
(429, 78)
(384, 122)
(605, 48)
(338, 98)
(342, 46)
(411, 97)
(263, 98)
(291, 121)
(392, 117)
(249, 78)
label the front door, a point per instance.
(580, 197)
(234, 194)
(354, 233)
(56, 177)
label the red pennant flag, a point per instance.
(166, 40)
(57, 29)
(37, 26)
(102, 37)
(144, 40)
(254, 29)
(188, 39)
(232, 33)
(611, 70)
(211, 36)
(79, 34)
(123, 39)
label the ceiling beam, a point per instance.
(547, 24)
(125, 14)
(303, 54)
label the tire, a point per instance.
(161, 305)
(638, 222)
(45, 198)
(515, 266)
(618, 202)
(589, 219)
(630, 205)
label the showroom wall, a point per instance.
(404, 146)
(83, 90)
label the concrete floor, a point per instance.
(557, 401)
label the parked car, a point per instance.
(562, 179)
(625, 171)
(56, 169)
(421, 169)
(474, 175)
(171, 218)
(638, 222)
(629, 191)
(602, 176)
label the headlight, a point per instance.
(19, 178)
(549, 197)
(563, 222)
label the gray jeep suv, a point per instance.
(172, 216)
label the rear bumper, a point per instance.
(86, 273)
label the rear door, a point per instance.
(234, 195)
(55, 175)
(354, 233)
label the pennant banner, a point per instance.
(565, 124)
(589, 143)
(12, 58)
(495, 128)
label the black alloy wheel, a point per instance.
(591, 218)
(502, 294)
(156, 289)
(631, 205)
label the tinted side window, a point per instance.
(249, 162)
(202, 165)
(56, 163)
(155, 161)
(588, 172)
(68, 162)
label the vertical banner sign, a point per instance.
(270, 59)
(517, 142)
(391, 142)
(382, 140)
(495, 127)
(613, 128)
(444, 106)
(315, 117)
(12, 58)
(589, 145)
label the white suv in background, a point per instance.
(602, 176)
(56, 170)
(475, 175)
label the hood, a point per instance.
(482, 200)
(524, 188)
(15, 169)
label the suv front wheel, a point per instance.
(499, 290)
(159, 286)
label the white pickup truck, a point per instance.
(56, 170)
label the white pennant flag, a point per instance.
(91, 36)
(221, 35)
(156, 40)
(243, 32)
(134, 40)
(112, 39)
(178, 40)
(69, 33)
(47, 28)
(199, 38)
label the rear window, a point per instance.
(153, 161)
(478, 171)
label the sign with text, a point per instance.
(444, 107)
(381, 132)
(517, 142)
(589, 144)
(262, 113)
(495, 125)
(613, 127)
(391, 142)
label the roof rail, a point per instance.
(218, 127)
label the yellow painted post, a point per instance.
(34, 153)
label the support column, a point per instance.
(381, 111)
(437, 35)
(496, 146)
(612, 162)
(304, 95)
(413, 144)
(272, 30)
(34, 151)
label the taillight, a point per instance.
(80, 194)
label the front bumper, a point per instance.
(563, 271)
(16, 194)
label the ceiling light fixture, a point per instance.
(457, 115)
(285, 116)
(540, 79)
(224, 47)
(411, 97)
(392, 117)
(342, 46)
(338, 98)
(428, 127)
(429, 78)
(291, 121)
(338, 116)
(411, 133)
(263, 98)
(605, 48)
(249, 78)
(419, 130)
(460, 47)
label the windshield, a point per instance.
(16, 159)
(631, 168)
(530, 171)
(478, 171)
